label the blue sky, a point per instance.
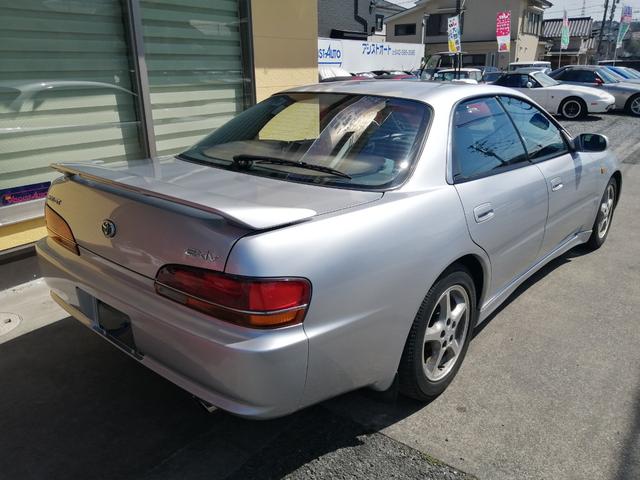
(593, 8)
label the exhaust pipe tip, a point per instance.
(206, 405)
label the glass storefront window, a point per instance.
(194, 62)
(66, 91)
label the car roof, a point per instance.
(425, 91)
(463, 69)
(584, 67)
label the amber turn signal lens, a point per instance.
(59, 230)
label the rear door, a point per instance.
(504, 196)
(570, 180)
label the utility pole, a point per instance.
(609, 28)
(604, 20)
(458, 10)
(584, 8)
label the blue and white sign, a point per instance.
(358, 56)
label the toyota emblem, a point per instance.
(108, 228)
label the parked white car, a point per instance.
(570, 101)
(464, 75)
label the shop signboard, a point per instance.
(358, 56)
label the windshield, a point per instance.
(370, 141)
(607, 76)
(544, 79)
(632, 73)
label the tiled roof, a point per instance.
(578, 27)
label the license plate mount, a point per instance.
(116, 326)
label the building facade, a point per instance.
(478, 28)
(383, 11)
(119, 80)
(348, 19)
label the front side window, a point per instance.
(541, 137)
(341, 140)
(484, 140)
(513, 81)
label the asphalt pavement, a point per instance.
(550, 389)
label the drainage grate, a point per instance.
(8, 321)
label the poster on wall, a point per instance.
(503, 31)
(15, 195)
(453, 31)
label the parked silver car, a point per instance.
(331, 237)
(627, 94)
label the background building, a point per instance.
(582, 43)
(478, 28)
(118, 80)
(383, 11)
(348, 19)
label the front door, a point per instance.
(571, 200)
(504, 196)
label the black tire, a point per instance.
(573, 101)
(412, 377)
(630, 102)
(596, 240)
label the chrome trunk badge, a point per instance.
(207, 256)
(108, 228)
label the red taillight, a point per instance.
(252, 302)
(59, 230)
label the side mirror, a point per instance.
(599, 82)
(529, 85)
(591, 142)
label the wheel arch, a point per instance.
(572, 97)
(618, 176)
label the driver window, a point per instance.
(542, 138)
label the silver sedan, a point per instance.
(627, 94)
(332, 237)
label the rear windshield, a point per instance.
(341, 140)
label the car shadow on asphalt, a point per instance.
(73, 406)
(540, 274)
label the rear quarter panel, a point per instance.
(370, 268)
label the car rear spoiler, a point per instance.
(245, 214)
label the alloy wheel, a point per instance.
(571, 109)
(606, 208)
(635, 106)
(446, 333)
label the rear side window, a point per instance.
(485, 141)
(582, 76)
(542, 138)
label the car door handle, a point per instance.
(483, 212)
(556, 184)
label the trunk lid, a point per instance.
(173, 211)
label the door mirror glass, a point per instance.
(591, 142)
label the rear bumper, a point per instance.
(251, 373)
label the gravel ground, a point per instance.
(622, 130)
